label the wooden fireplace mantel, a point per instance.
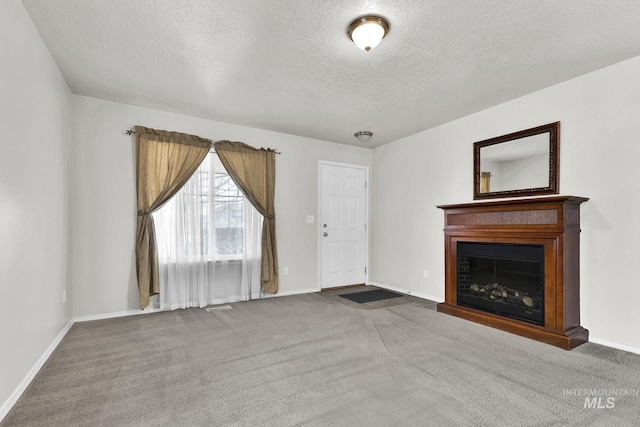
(553, 222)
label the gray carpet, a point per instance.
(320, 360)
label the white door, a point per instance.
(343, 228)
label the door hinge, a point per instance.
(365, 270)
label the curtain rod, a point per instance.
(133, 132)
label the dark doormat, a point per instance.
(369, 296)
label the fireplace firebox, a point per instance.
(505, 279)
(515, 265)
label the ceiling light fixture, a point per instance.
(367, 31)
(363, 136)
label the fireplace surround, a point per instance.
(515, 265)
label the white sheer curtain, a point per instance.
(208, 238)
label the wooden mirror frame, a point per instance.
(553, 129)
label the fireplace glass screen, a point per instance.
(502, 278)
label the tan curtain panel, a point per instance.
(164, 163)
(254, 172)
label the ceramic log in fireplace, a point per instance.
(515, 265)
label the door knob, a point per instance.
(325, 234)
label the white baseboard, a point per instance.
(147, 310)
(151, 309)
(408, 292)
(8, 404)
(289, 293)
(614, 344)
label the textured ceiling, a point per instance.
(288, 65)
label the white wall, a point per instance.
(104, 198)
(34, 198)
(599, 158)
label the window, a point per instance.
(208, 238)
(229, 213)
(206, 216)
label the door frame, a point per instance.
(366, 215)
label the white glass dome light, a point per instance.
(368, 31)
(363, 136)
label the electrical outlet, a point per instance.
(286, 271)
(426, 274)
(310, 219)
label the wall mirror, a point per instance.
(523, 163)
